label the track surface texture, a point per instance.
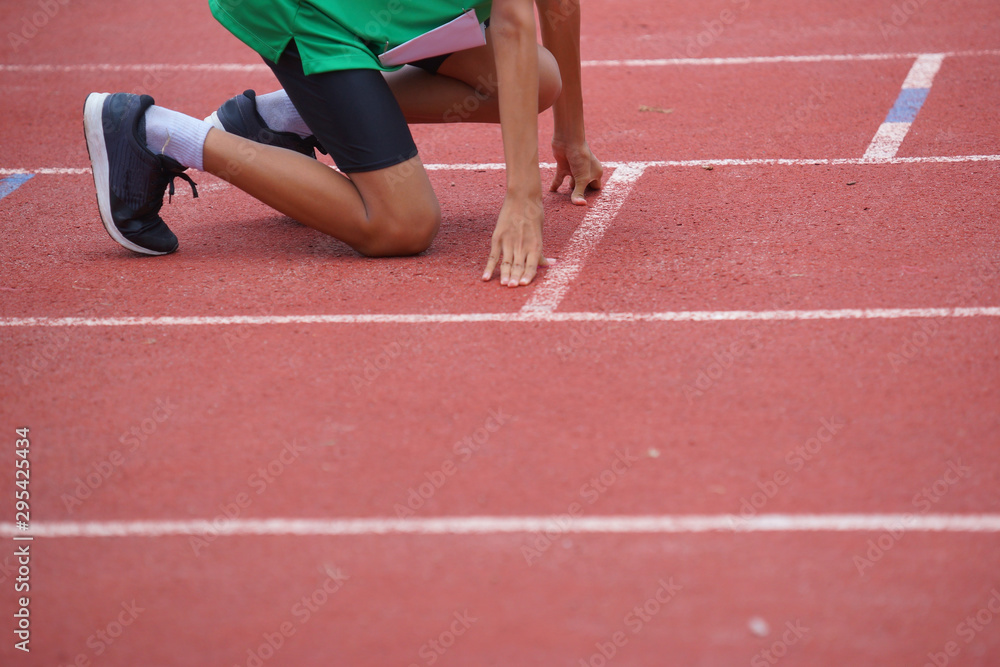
(751, 416)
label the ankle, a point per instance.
(280, 115)
(177, 136)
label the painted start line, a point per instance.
(458, 318)
(483, 525)
(636, 62)
(650, 164)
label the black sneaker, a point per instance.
(239, 116)
(130, 179)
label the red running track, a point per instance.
(846, 421)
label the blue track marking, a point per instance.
(907, 105)
(11, 183)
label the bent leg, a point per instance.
(385, 206)
(465, 87)
(390, 211)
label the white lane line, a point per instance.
(923, 71)
(810, 162)
(543, 316)
(766, 60)
(483, 525)
(149, 67)
(47, 171)
(643, 164)
(887, 140)
(639, 62)
(897, 124)
(588, 235)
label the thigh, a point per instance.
(478, 68)
(352, 113)
(356, 118)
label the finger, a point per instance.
(557, 182)
(522, 263)
(517, 257)
(596, 182)
(505, 267)
(531, 268)
(578, 197)
(546, 261)
(516, 273)
(506, 263)
(491, 263)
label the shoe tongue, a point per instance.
(141, 129)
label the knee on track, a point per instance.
(399, 234)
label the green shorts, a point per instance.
(333, 35)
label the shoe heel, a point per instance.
(93, 129)
(215, 122)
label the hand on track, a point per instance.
(579, 164)
(517, 241)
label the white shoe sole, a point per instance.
(93, 127)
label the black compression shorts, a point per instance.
(352, 113)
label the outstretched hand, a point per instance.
(579, 164)
(517, 241)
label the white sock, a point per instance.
(178, 136)
(280, 115)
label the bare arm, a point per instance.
(560, 26)
(517, 239)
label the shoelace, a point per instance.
(183, 176)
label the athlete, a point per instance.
(338, 97)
